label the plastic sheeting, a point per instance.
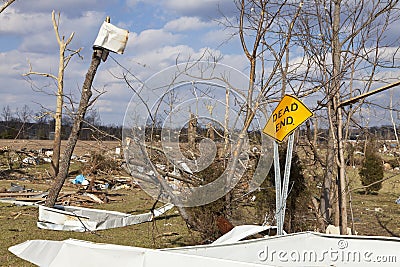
(306, 249)
(70, 218)
(86, 254)
(242, 231)
(299, 249)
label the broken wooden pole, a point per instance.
(76, 128)
(110, 38)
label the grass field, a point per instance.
(372, 215)
(18, 224)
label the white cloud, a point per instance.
(15, 22)
(239, 62)
(166, 32)
(40, 36)
(186, 24)
(207, 9)
(132, 3)
(163, 57)
(105, 105)
(9, 98)
(217, 37)
(150, 40)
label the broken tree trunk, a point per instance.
(192, 128)
(76, 128)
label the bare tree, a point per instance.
(266, 30)
(24, 115)
(63, 63)
(6, 114)
(345, 42)
(264, 41)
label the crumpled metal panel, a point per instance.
(111, 38)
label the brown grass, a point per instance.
(18, 224)
(373, 214)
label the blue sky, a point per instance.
(160, 33)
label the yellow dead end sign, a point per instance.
(287, 116)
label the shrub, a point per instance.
(371, 170)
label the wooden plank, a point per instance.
(32, 199)
(19, 194)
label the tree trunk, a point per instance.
(76, 128)
(338, 124)
(210, 131)
(342, 177)
(55, 161)
(192, 128)
(326, 186)
(315, 136)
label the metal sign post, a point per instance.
(278, 202)
(287, 116)
(282, 188)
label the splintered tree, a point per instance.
(86, 100)
(63, 63)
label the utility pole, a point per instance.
(98, 55)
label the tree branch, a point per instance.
(6, 4)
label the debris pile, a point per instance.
(82, 196)
(70, 213)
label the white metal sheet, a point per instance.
(86, 254)
(79, 219)
(306, 249)
(111, 38)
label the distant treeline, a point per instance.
(16, 129)
(384, 132)
(24, 123)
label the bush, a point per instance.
(371, 170)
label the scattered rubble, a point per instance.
(71, 212)
(102, 191)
